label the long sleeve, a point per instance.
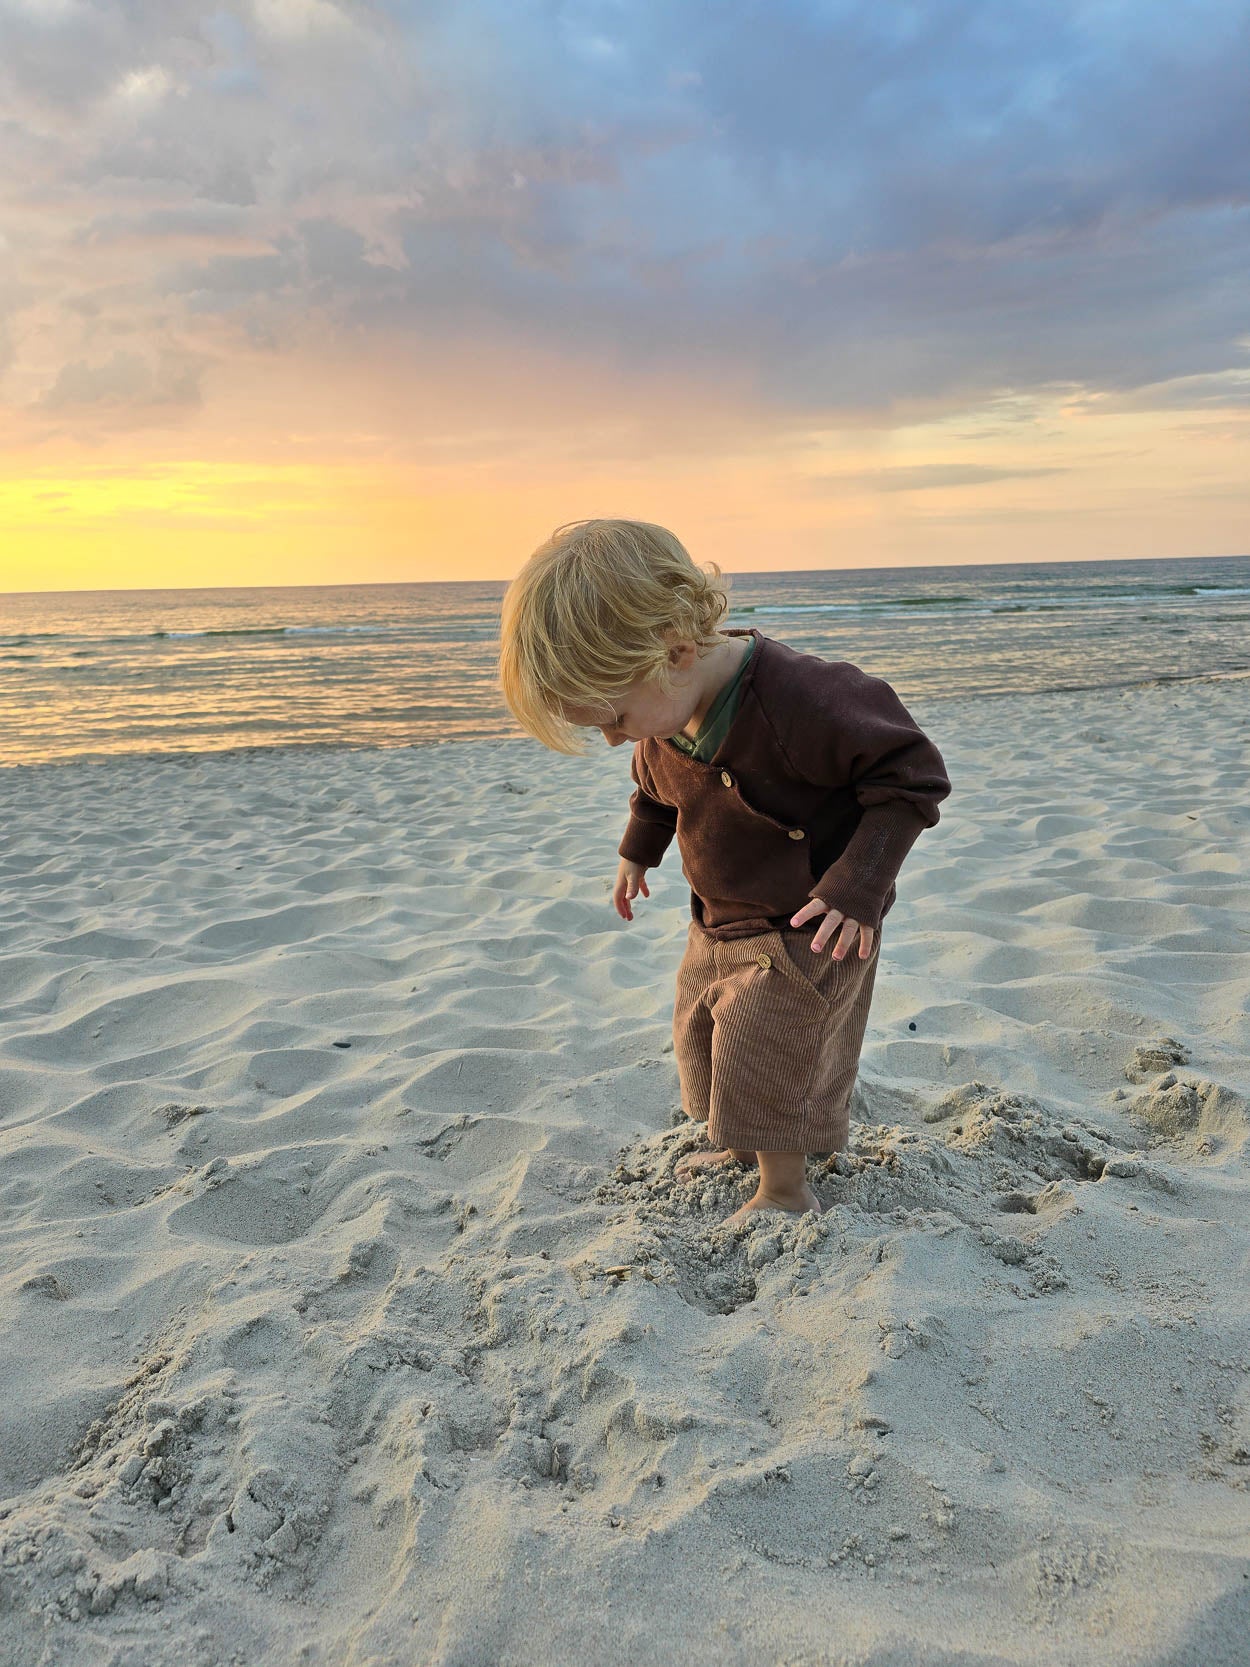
(651, 823)
(855, 731)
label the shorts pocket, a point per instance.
(788, 965)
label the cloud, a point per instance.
(300, 19)
(127, 382)
(1221, 391)
(930, 477)
(827, 208)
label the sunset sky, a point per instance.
(306, 292)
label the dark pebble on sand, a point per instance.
(911, 1025)
(348, 1044)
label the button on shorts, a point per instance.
(767, 1036)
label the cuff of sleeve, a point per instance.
(644, 843)
(858, 883)
(862, 906)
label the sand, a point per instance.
(351, 1313)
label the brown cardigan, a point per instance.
(821, 787)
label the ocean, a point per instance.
(96, 673)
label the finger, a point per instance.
(827, 928)
(846, 937)
(642, 886)
(809, 911)
(865, 942)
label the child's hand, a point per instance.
(629, 882)
(850, 929)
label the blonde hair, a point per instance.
(594, 608)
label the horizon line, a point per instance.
(730, 573)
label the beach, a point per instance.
(352, 1314)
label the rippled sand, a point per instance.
(352, 1313)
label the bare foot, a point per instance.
(694, 1161)
(795, 1202)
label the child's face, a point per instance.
(645, 709)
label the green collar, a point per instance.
(720, 715)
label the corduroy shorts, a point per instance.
(767, 1036)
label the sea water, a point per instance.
(94, 673)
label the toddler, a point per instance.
(795, 786)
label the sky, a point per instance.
(336, 291)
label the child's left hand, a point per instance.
(835, 919)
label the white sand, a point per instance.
(310, 1354)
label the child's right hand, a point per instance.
(629, 882)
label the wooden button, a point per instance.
(797, 833)
(726, 778)
(765, 961)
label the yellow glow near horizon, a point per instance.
(1074, 482)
